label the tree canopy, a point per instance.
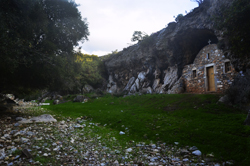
(36, 42)
(92, 69)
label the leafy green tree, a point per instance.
(234, 21)
(138, 36)
(36, 38)
(92, 69)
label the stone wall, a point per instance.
(195, 75)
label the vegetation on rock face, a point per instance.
(234, 21)
(36, 42)
(138, 36)
(143, 39)
(147, 41)
(177, 19)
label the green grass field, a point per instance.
(193, 120)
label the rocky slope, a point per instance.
(155, 65)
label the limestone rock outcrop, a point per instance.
(155, 65)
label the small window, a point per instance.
(208, 56)
(194, 74)
(227, 67)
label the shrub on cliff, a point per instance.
(179, 17)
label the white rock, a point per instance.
(210, 155)
(129, 150)
(44, 103)
(197, 153)
(45, 154)
(56, 149)
(121, 133)
(62, 122)
(137, 84)
(153, 146)
(39, 139)
(41, 118)
(78, 126)
(155, 150)
(116, 162)
(19, 118)
(130, 83)
(2, 154)
(142, 76)
(24, 139)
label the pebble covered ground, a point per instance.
(74, 142)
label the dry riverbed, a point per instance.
(77, 142)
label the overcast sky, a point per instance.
(112, 22)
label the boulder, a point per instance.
(79, 98)
(44, 99)
(6, 103)
(88, 88)
(113, 89)
(10, 96)
(223, 99)
(147, 90)
(57, 97)
(41, 118)
(197, 153)
(56, 102)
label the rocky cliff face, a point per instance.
(155, 65)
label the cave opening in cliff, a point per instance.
(188, 43)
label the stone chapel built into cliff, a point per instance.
(210, 72)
